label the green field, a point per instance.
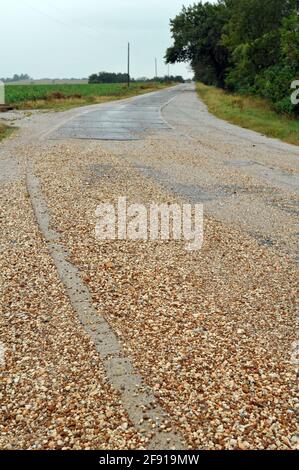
(65, 95)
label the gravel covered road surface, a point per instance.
(144, 345)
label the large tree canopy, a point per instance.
(197, 33)
(247, 46)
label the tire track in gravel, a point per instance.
(146, 415)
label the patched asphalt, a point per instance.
(120, 121)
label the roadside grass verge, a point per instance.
(250, 113)
(5, 131)
(65, 96)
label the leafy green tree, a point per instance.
(253, 38)
(251, 19)
(93, 78)
(290, 40)
(197, 32)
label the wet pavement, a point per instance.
(119, 121)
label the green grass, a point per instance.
(70, 95)
(5, 131)
(249, 112)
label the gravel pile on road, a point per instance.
(210, 331)
(53, 392)
(237, 182)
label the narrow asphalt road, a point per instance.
(243, 178)
(142, 345)
(120, 121)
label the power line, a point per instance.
(80, 23)
(58, 20)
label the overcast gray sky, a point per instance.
(74, 38)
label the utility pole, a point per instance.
(156, 67)
(128, 65)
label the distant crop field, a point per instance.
(45, 94)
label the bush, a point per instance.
(285, 106)
(274, 84)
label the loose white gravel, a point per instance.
(211, 332)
